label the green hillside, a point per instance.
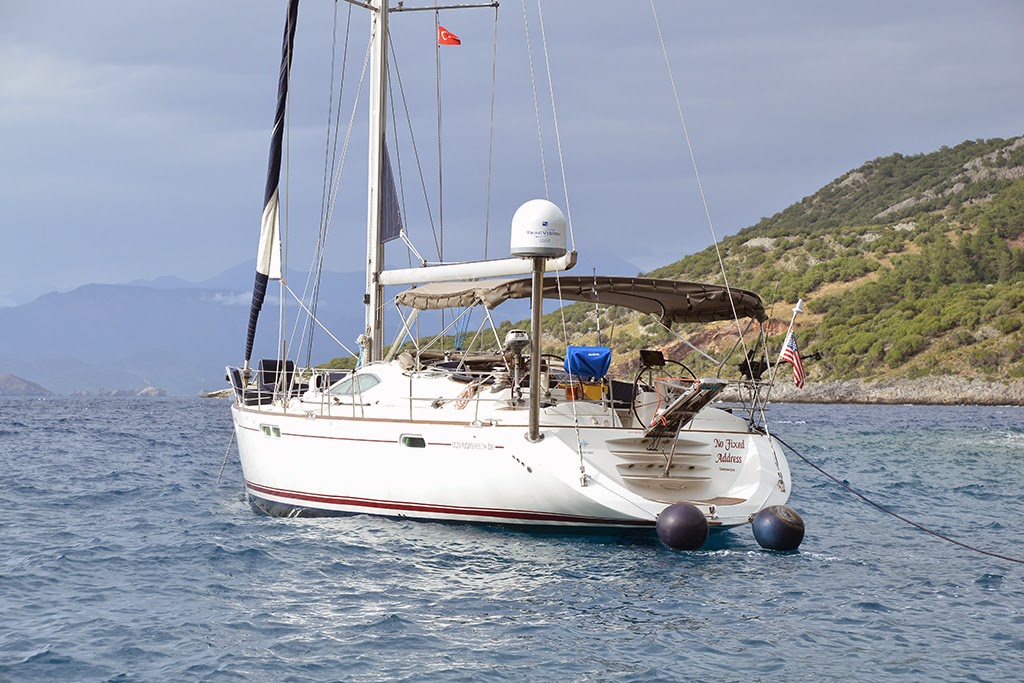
(908, 266)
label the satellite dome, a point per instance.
(538, 230)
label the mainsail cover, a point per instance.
(391, 215)
(268, 258)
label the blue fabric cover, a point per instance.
(588, 361)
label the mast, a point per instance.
(373, 344)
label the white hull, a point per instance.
(508, 438)
(472, 462)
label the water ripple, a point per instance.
(127, 561)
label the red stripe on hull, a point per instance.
(497, 514)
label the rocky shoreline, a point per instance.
(942, 391)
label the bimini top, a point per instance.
(670, 300)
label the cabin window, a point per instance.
(271, 430)
(354, 385)
(413, 441)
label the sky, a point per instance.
(136, 133)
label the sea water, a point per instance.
(123, 558)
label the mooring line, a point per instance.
(227, 454)
(897, 516)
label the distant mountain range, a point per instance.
(11, 385)
(166, 333)
(173, 334)
(911, 266)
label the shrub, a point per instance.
(903, 348)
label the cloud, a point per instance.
(234, 299)
(138, 134)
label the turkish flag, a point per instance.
(446, 38)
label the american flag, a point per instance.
(791, 354)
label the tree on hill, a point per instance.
(934, 285)
(910, 265)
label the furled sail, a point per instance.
(268, 258)
(391, 215)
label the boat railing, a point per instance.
(483, 390)
(270, 383)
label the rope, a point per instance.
(536, 105)
(652, 515)
(898, 516)
(227, 454)
(467, 394)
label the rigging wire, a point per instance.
(302, 305)
(536, 104)
(572, 380)
(696, 170)
(440, 185)
(285, 227)
(403, 234)
(437, 92)
(415, 150)
(319, 251)
(762, 337)
(879, 506)
(490, 134)
(684, 340)
(397, 166)
(558, 138)
(330, 158)
(337, 169)
(348, 139)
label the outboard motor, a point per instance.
(515, 342)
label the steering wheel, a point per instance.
(684, 367)
(639, 375)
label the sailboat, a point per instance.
(498, 431)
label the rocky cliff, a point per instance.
(11, 385)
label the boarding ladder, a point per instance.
(681, 402)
